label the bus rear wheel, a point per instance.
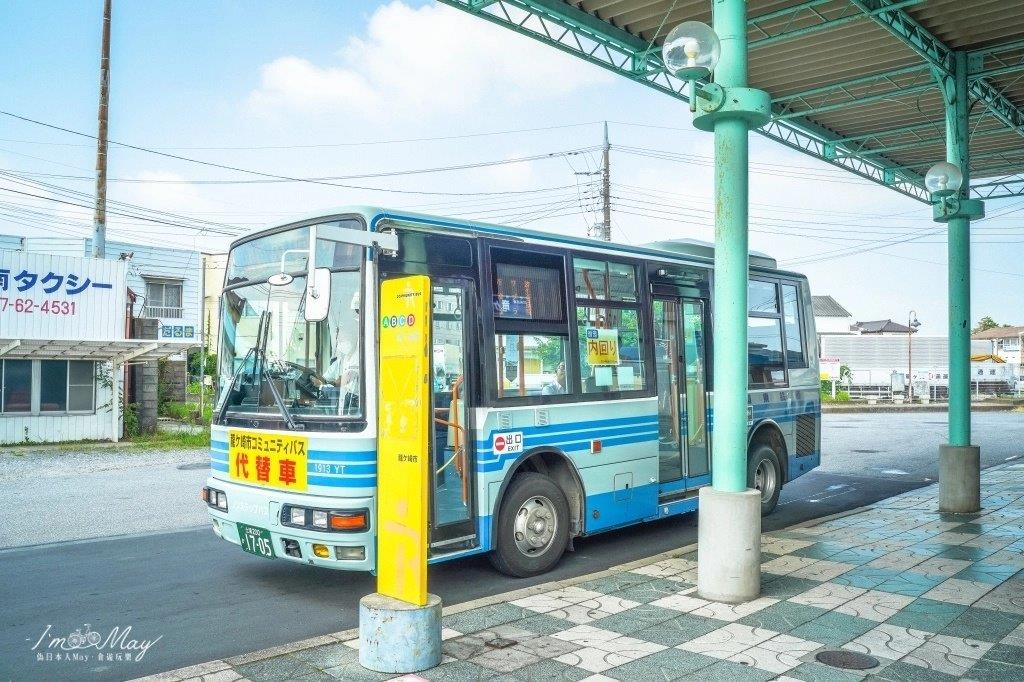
(533, 526)
(764, 473)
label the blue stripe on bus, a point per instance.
(490, 465)
(348, 469)
(345, 482)
(574, 444)
(553, 429)
(354, 456)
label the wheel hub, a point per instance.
(535, 526)
(764, 479)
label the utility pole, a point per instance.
(606, 190)
(99, 234)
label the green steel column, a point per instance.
(959, 239)
(729, 453)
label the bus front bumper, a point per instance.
(261, 509)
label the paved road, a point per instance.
(206, 599)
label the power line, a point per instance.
(238, 169)
(382, 174)
(329, 145)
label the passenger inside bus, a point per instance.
(557, 385)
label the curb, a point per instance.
(219, 665)
(827, 408)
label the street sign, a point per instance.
(403, 433)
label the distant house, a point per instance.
(830, 317)
(1006, 342)
(883, 327)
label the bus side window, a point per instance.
(531, 331)
(610, 357)
(796, 357)
(608, 326)
(766, 365)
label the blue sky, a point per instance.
(190, 76)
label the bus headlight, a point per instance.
(327, 520)
(217, 499)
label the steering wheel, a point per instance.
(304, 377)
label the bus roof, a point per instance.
(674, 249)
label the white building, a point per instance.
(830, 317)
(1005, 342)
(877, 360)
(164, 282)
(63, 331)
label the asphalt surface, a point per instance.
(206, 599)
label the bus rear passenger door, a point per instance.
(668, 379)
(453, 520)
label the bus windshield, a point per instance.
(275, 363)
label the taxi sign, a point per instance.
(271, 460)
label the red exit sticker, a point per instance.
(508, 442)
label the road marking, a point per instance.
(897, 472)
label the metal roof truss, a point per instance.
(572, 30)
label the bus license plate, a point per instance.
(256, 540)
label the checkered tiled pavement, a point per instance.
(932, 596)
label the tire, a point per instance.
(765, 474)
(536, 499)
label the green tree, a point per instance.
(984, 324)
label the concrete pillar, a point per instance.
(729, 545)
(959, 478)
(398, 637)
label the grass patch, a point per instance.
(169, 439)
(187, 412)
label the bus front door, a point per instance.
(682, 393)
(453, 521)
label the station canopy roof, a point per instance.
(853, 82)
(99, 350)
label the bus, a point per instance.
(571, 383)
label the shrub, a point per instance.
(131, 420)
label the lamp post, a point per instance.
(912, 325)
(729, 528)
(959, 461)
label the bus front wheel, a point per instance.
(764, 473)
(533, 526)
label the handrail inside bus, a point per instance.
(459, 454)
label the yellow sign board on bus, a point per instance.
(602, 346)
(403, 459)
(272, 460)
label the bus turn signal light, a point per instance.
(348, 521)
(321, 551)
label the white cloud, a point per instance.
(432, 60)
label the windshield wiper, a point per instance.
(259, 353)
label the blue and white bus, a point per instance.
(571, 386)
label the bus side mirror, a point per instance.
(318, 295)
